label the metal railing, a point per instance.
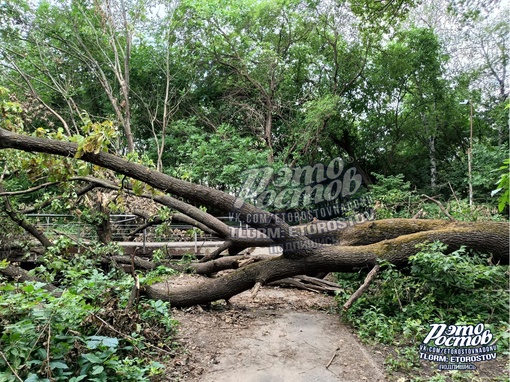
(122, 226)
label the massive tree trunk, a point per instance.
(493, 237)
(354, 248)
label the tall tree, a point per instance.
(61, 50)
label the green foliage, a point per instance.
(393, 196)
(217, 159)
(503, 186)
(404, 359)
(98, 137)
(455, 288)
(159, 273)
(45, 337)
(395, 199)
(10, 112)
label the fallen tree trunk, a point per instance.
(489, 237)
(20, 275)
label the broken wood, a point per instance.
(308, 283)
(332, 358)
(135, 293)
(255, 290)
(368, 280)
(20, 275)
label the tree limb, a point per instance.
(368, 280)
(20, 220)
(441, 207)
(198, 193)
(20, 275)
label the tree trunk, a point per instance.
(433, 165)
(481, 236)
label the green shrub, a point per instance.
(456, 288)
(44, 337)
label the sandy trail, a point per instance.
(284, 335)
(295, 346)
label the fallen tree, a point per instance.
(361, 246)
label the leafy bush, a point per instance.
(458, 288)
(393, 196)
(68, 338)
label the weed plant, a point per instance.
(86, 334)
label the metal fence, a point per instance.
(123, 228)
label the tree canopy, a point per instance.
(298, 82)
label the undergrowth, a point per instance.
(456, 288)
(86, 334)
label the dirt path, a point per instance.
(282, 335)
(294, 346)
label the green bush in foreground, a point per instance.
(68, 338)
(458, 288)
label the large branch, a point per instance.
(489, 237)
(21, 221)
(156, 220)
(198, 193)
(209, 222)
(378, 230)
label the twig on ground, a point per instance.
(332, 358)
(48, 366)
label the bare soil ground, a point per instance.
(283, 335)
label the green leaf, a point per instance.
(92, 358)
(95, 341)
(4, 264)
(78, 379)
(29, 288)
(58, 365)
(97, 370)
(7, 287)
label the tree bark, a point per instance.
(493, 237)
